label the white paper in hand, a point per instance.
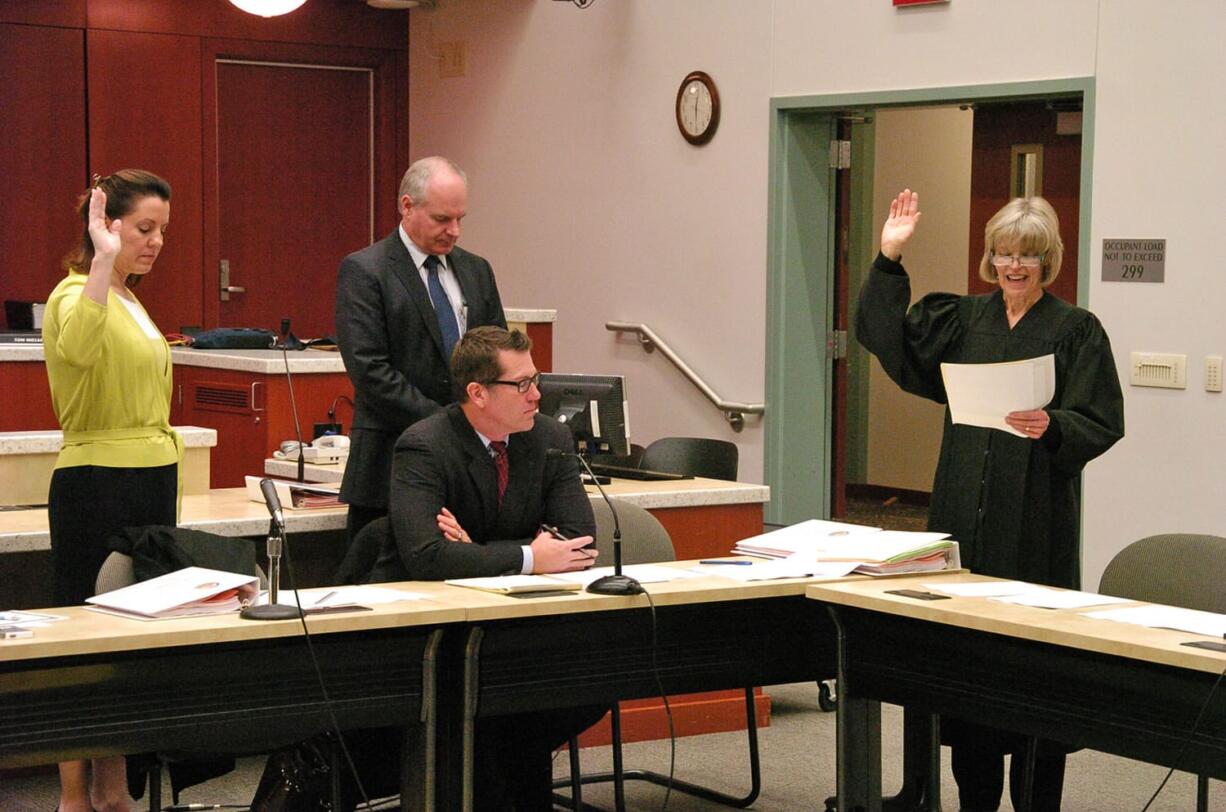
(982, 394)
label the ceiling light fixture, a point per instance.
(267, 8)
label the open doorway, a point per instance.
(836, 425)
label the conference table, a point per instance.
(95, 685)
(1052, 673)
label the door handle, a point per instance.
(226, 287)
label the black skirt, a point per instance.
(87, 504)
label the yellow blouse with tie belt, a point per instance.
(110, 382)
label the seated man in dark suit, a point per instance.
(453, 513)
(472, 488)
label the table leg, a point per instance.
(417, 777)
(858, 739)
(472, 663)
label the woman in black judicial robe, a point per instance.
(1009, 501)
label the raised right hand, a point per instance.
(900, 225)
(551, 554)
(105, 238)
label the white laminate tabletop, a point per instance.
(228, 511)
(1065, 627)
(49, 441)
(665, 494)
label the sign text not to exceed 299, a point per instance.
(1134, 260)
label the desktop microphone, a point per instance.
(615, 584)
(273, 502)
(276, 536)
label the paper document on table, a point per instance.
(183, 593)
(1167, 617)
(27, 619)
(875, 551)
(344, 596)
(799, 565)
(978, 589)
(982, 394)
(1045, 598)
(514, 584)
(804, 536)
(643, 573)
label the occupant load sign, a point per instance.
(1134, 260)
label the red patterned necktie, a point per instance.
(500, 463)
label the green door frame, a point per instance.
(800, 268)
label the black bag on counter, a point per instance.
(235, 338)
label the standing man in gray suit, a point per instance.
(401, 306)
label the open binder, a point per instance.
(188, 592)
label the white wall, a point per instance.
(586, 198)
(904, 431)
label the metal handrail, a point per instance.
(649, 341)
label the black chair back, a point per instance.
(692, 456)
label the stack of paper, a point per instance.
(875, 551)
(188, 592)
(982, 394)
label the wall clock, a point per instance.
(697, 108)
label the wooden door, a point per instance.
(302, 160)
(999, 128)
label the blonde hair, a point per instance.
(1031, 224)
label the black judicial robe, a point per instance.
(1010, 502)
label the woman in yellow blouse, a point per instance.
(110, 375)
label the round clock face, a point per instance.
(697, 108)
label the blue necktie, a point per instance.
(442, 306)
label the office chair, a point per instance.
(1177, 569)
(645, 541)
(363, 553)
(631, 460)
(119, 571)
(693, 456)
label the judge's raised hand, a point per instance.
(104, 237)
(900, 225)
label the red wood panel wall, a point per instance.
(147, 78)
(997, 128)
(42, 157)
(144, 113)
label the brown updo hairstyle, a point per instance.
(124, 190)
(1031, 224)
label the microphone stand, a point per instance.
(615, 584)
(276, 537)
(293, 406)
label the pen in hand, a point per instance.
(558, 534)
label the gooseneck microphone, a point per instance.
(615, 584)
(276, 535)
(273, 502)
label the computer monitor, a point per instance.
(593, 406)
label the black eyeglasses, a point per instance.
(521, 386)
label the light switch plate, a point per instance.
(1163, 370)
